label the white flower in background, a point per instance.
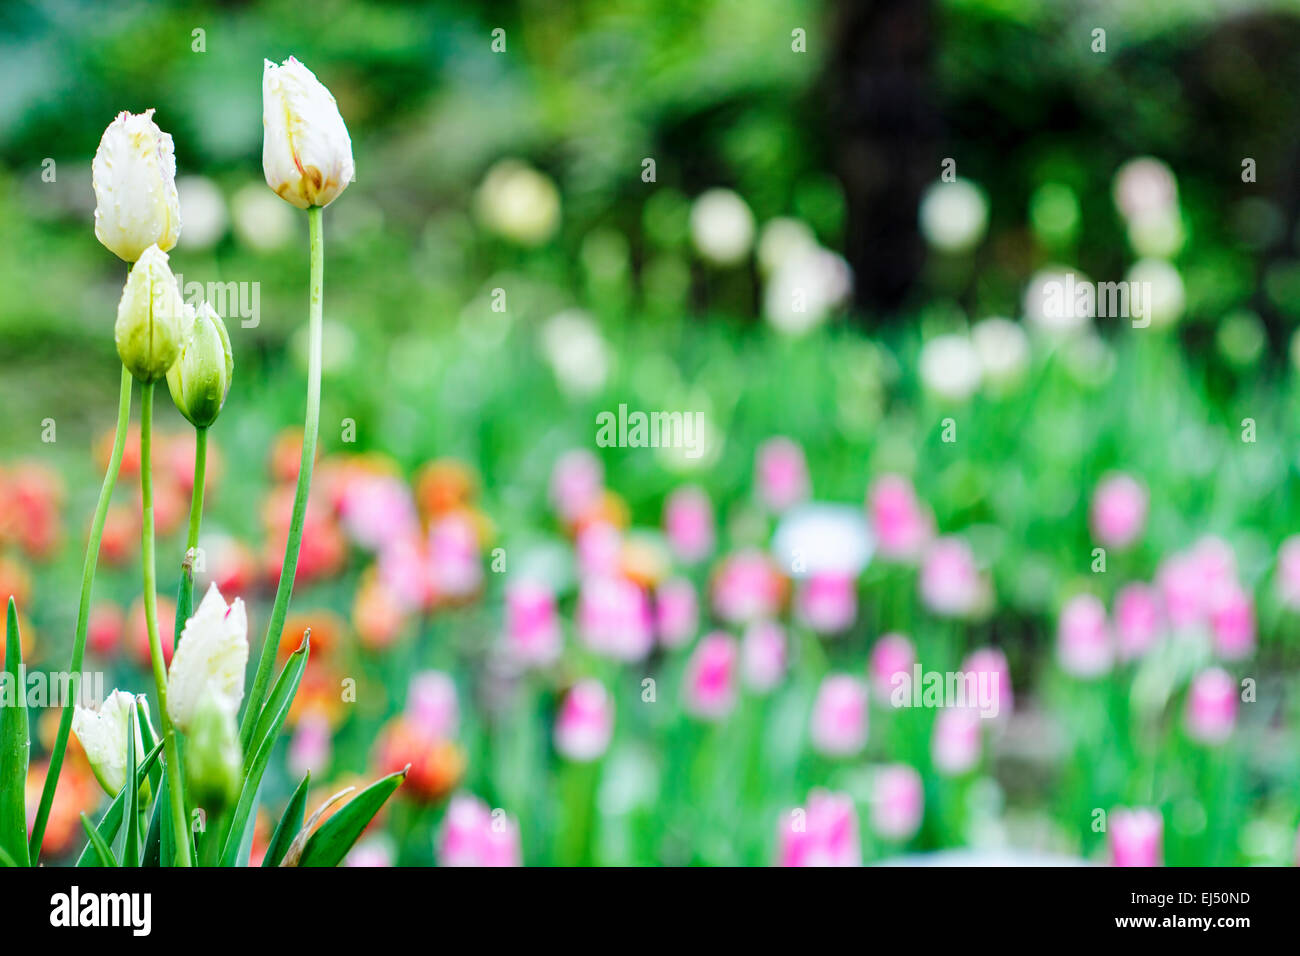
(781, 239)
(306, 150)
(1049, 309)
(209, 660)
(518, 203)
(805, 288)
(134, 177)
(1159, 236)
(954, 215)
(1145, 187)
(576, 352)
(821, 538)
(1167, 298)
(950, 367)
(204, 210)
(261, 223)
(1003, 350)
(722, 227)
(102, 734)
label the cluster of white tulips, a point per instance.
(169, 811)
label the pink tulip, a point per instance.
(376, 853)
(1119, 511)
(454, 564)
(598, 546)
(828, 602)
(1084, 646)
(1181, 591)
(1287, 582)
(1232, 622)
(897, 802)
(311, 745)
(474, 835)
(951, 583)
(577, 482)
(711, 677)
(825, 833)
(614, 618)
(532, 625)
(839, 717)
(688, 522)
(1211, 706)
(1136, 837)
(747, 587)
(677, 613)
(432, 704)
(956, 742)
(377, 509)
(782, 474)
(404, 572)
(893, 654)
(585, 723)
(992, 680)
(902, 524)
(1138, 620)
(763, 655)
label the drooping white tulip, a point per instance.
(134, 177)
(102, 734)
(209, 660)
(306, 150)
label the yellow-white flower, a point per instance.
(306, 151)
(134, 176)
(209, 660)
(102, 734)
(518, 203)
(151, 318)
(200, 377)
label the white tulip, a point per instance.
(134, 177)
(954, 215)
(102, 734)
(722, 227)
(210, 659)
(518, 203)
(306, 150)
(950, 367)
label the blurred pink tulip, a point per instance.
(455, 566)
(893, 654)
(951, 583)
(433, 705)
(1211, 706)
(839, 716)
(897, 802)
(1138, 620)
(677, 612)
(377, 509)
(1084, 646)
(688, 522)
(711, 677)
(1119, 511)
(903, 526)
(1136, 837)
(474, 835)
(614, 618)
(825, 833)
(989, 665)
(1287, 582)
(577, 481)
(956, 743)
(747, 587)
(781, 474)
(585, 723)
(827, 602)
(598, 547)
(533, 633)
(311, 745)
(763, 655)
(1232, 622)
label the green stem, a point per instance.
(311, 425)
(196, 497)
(177, 785)
(83, 615)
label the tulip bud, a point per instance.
(150, 318)
(134, 177)
(209, 660)
(306, 151)
(102, 734)
(212, 756)
(200, 377)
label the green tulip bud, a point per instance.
(150, 318)
(200, 378)
(212, 757)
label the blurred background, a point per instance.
(826, 227)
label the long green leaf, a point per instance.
(6, 859)
(111, 821)
(15, 746)
(328, 845)
(267, 728)
(131, 815)
(289, 825)
(106, 857)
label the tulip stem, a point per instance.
(196, 497)
(83, 614)
(180, 826)
(311, 425)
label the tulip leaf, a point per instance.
(328, 845)
(163, 814)
(111, 821)
(131, 843)
(289, 825)
(267, 728)
(152, 745)
(106, 857)
(6, 859)
(15, 746)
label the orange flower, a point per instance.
(444, 485)
(130, 452)
(15, 581)
(31, 497)
(327, 630)
(121, 534)
(377, 615)
(76, 793)
(608, 509)
(436, 764)
(105, 628)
